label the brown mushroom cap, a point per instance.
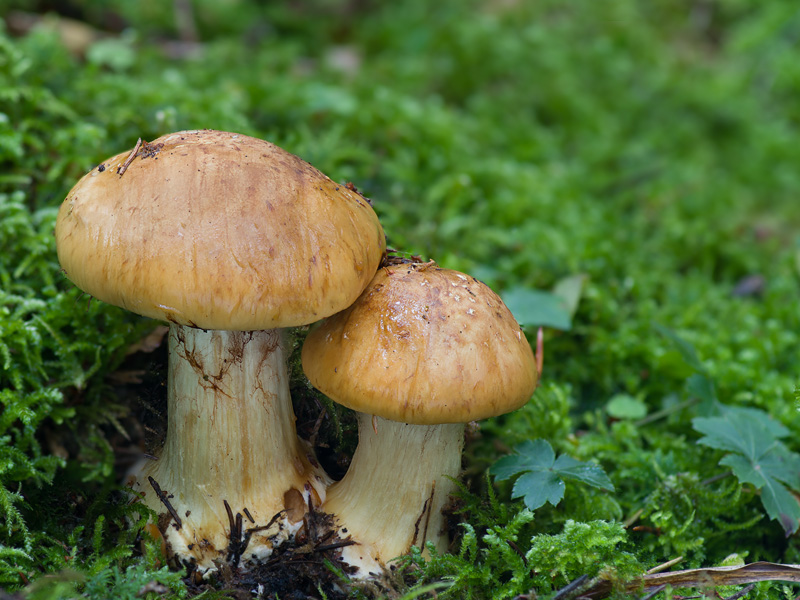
(219, 231)
(423, 345)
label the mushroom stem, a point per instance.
(230, 438)
(395, 489)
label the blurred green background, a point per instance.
(640, 158)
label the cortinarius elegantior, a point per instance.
(230, 239)
(421, 352)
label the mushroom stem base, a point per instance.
(231, 452)
(393, 494)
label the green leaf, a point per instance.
(702, 387)
(528, 456)
(740, 430)
(761, 418)
(569, 289)
(743, 469)
(757, 457)
(588, 473)
(781, 505)
(623, 406)
(115, 53)
(783, 465)
(537, 308)
(541, 474)
(538, 487)
(686, 349)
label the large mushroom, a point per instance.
(229, 239)
(422, 351)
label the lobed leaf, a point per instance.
(758, 458)
(541, 475)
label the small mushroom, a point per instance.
(423, 351)
(229, 239)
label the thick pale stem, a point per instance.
(231, 438)
(395, 489)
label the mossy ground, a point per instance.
(650, 148)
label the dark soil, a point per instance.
(303, 568)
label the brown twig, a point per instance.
(121, 170)
(664, 566)
(326, 537)
(426, 265)
(391, 258)
(335, 545)
(165, 501)
(235, 543)
(250, 531)
(633, 518)
(741, 593)
(717, 477)
(572, 589)
(312, 438)
(274, 518)
(655, 591)
(516, 549)
(666, 412)
(230, 514)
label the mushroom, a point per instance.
(422, 351)
(229, 239)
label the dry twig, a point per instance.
(165, 501)
(705, 578)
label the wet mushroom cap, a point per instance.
(218, 230)
(423, 345)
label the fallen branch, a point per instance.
(704, 578)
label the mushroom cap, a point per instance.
(218, 230)
(423, 345)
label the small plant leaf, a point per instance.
(739, 430)
(541, 474)
(781, 505)
(537, 487)
(757, 457)
(537, 308)
(687, 350)
(533, 455)
(588, 473)
(702, 387)
(623, 406)
(783, 465)
(570, 289)
(743, 469)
